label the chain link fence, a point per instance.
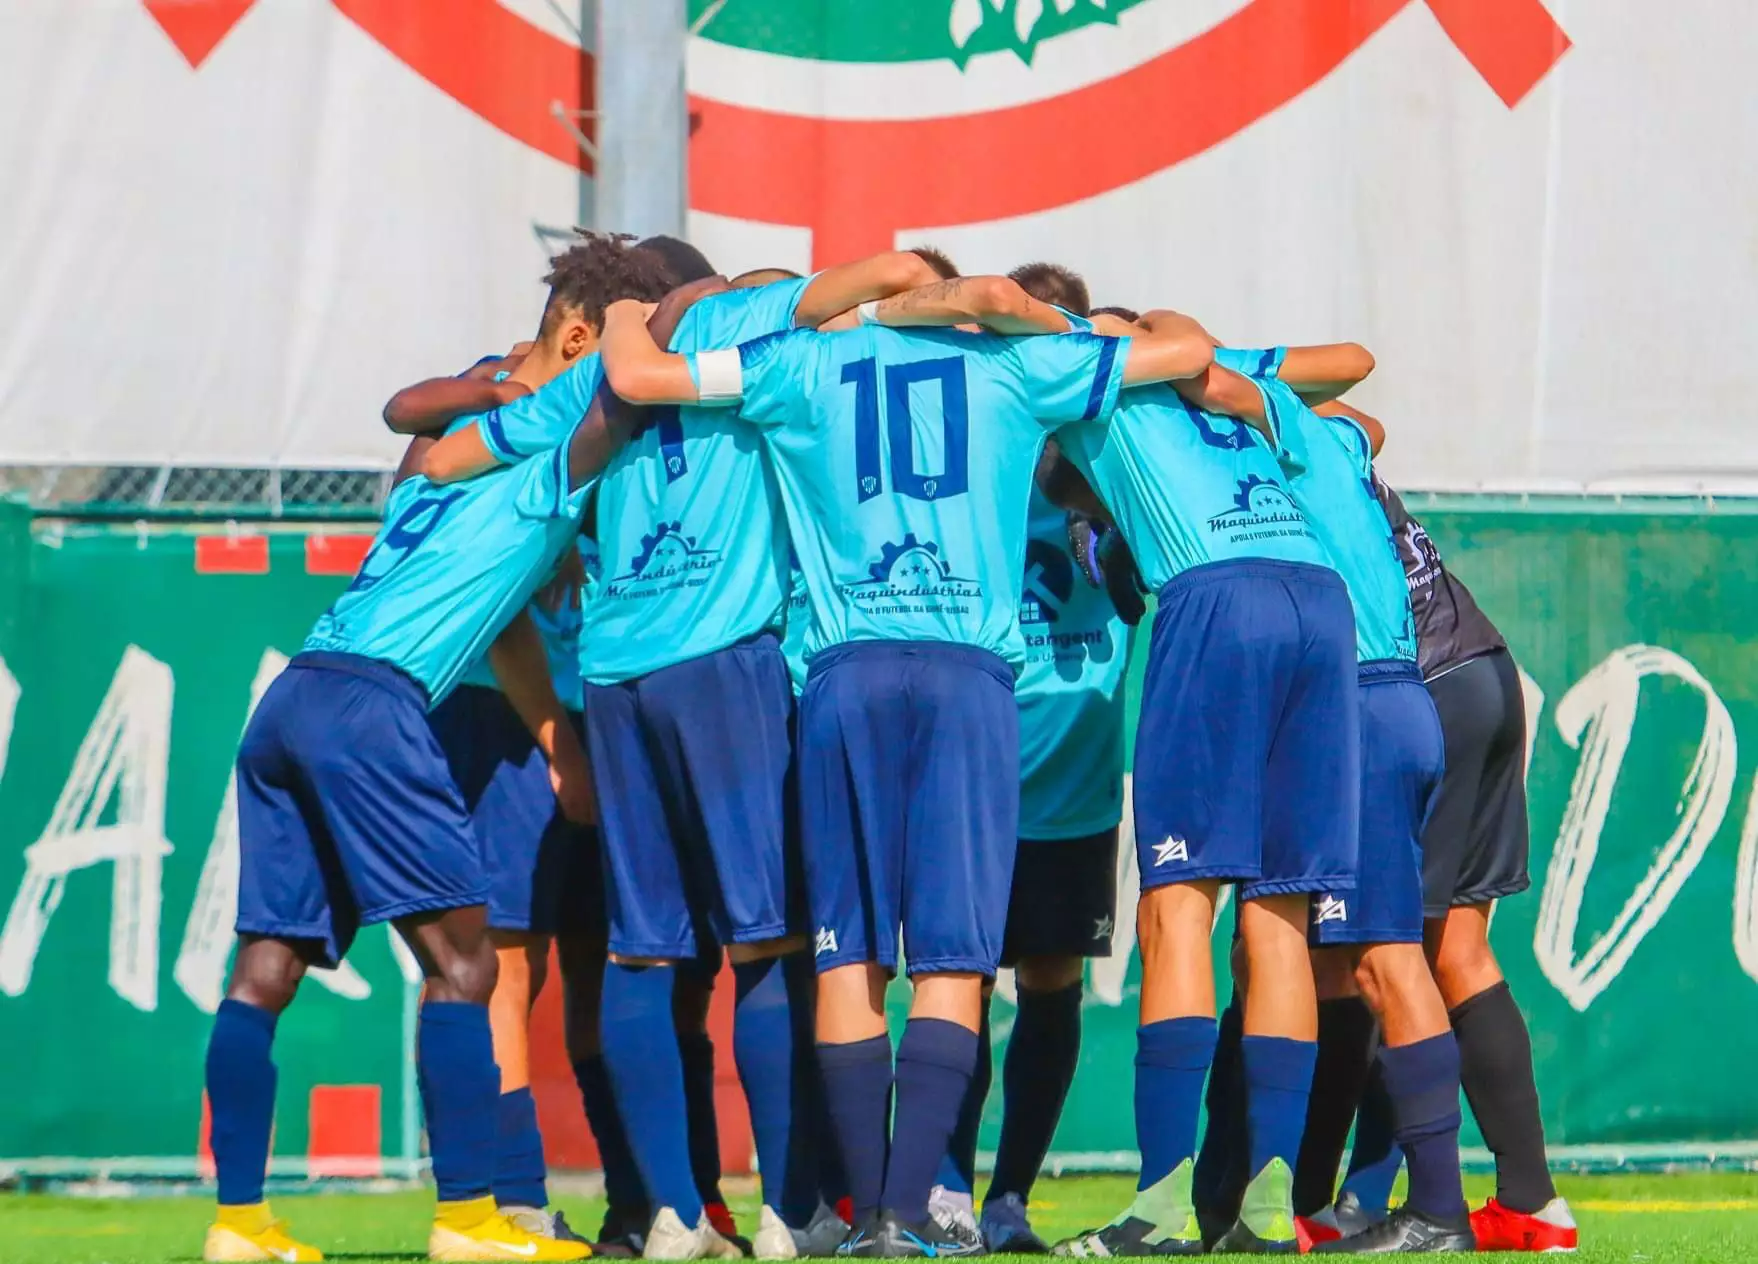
(147, 491)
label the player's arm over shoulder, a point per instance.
(846, 286)
(439, 401)
(1220, 390)
(1370, 426)
(1167, 347)
(1320, 373)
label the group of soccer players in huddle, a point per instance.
(787, 619)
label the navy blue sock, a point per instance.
(696, 1048)
(641, 1051)
(1374, 1158)
(832, 1177)
(1218, 1183)
(958, 1167)
(935, 1059)
(460, 1095)
(771, 1002)
(1039, 1067)
(1278, 1080)
(857, 1096)
(623, 1191)
(520, 1178)
(1423, 1082)
(1171, 1058)
(241, 1098)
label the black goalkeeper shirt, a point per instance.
(1450, 628)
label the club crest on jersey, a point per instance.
(911, 577)
(1261, 507)
(1330, 908)
(668, 559)
(1170, 849)
(824, 941)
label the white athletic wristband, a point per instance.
(720, 377)
(868, 313)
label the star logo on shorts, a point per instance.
(825, 941)
(1330, 909)
(1102, 927)
(1173, 848)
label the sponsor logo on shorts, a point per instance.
(911, 577)
(1330, 908)
(826, 941)
(1102, 927)
(1173, 848)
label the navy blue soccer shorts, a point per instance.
(1064, 898)
(1246, 755)
(347, 814)
(693, 766)
(1402, 759)
(909, 797)
(544, 872)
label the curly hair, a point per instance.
(1122, 313)
(1053, 283)
(603, 267)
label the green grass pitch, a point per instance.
(1708, 1217)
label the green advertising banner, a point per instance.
(130, 657)
(129, 661)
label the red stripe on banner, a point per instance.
(204, 1144)
(855, 183)
(344, 1135)
(1512, 43)
(508, 71)
(335, 554)
(232, 555)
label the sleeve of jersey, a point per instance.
(1072, 377)
(768, 373)
(1287, 416)
(1255, 362)
(543, 419)
(727, 319)
(542, 489)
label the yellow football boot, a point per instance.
(476, 1230)
(252, 1233)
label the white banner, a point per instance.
(231, 229)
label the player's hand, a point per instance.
(575, 793)
(1123, 582)
(1084, 537)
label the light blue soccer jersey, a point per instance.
(905, 462)
(451, 566)
(795, 625)
(542, 420)
(1330, 466)
(690, 523)
(1188, 486)
(556, 616)
(1070, 691)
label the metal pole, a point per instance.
(643, 118)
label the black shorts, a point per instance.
(1064, 898)
(1475, 844)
